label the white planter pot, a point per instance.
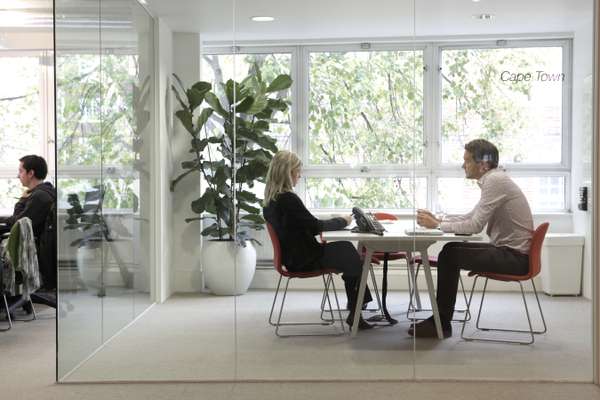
(228, 268)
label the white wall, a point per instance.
(582, 141)
(185, 238)
(163, 198)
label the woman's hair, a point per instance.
(279, 176)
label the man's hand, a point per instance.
(427, 219)
(348, 219)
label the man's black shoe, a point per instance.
(427, 329)
(362, 324)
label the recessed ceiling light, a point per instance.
(143, 2)
(476, 1)
(262, 19)
(484, 17)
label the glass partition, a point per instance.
(519, 77)
(104, 112)
(378, 104)
(348, 113)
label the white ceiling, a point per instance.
(318, 19)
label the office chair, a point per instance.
(414, 291)
(327, 277)
(535, 266)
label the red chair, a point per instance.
(535, 265)
(414, 292)
(325, 274)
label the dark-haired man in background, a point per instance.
(36, 204)
(504, 209)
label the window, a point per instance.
(219, 68)
(365, 108)
(383, 125)
(27, 113)
(103, 115)
(510, 96)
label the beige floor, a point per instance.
(193, 338)
(27, 373)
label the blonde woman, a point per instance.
(296, 228)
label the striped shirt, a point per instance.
(504, 209)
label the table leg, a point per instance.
(361, 290)
(432, 299)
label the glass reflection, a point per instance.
(104, 134)
(78, 100)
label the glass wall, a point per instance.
(520, 78)
(378, 103)
(104, 118)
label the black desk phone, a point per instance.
(366, 222)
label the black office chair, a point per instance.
(47, 261)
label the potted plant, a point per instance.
(227, 206)
(97, 239)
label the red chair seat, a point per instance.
(306, 274)
(433, 260)
(501, 277)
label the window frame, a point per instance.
(432, 167)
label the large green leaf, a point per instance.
(251, 171)
(185, 116)
(256, 218)
(278, 104)
(212, 230)
(195, 98)
(260, 154)
(249, 208)
(202, 86)
(198, 145)
(282, 82)
(214, 102)
(244, 105)
(261, 125)
(247, 196)
(233, 96)
(219, 176)
(259, 104)
(199, 205)
(203, 117)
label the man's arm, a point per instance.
(492, 196)
(35, 208)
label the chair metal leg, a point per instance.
(530, 331)
(7, 315)
(376, 290)
(274, 301)
(413, 309)
(278, 324)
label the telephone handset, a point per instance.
(366, 222)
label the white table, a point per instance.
(395, 239)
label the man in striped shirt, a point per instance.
(504, 209)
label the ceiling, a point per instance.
(318, 19)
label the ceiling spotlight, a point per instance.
(262, 19)
(476, 1)
(144, 2)
(483, 17)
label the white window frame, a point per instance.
(46, 111)
(432, 167)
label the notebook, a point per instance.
(423, 231)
